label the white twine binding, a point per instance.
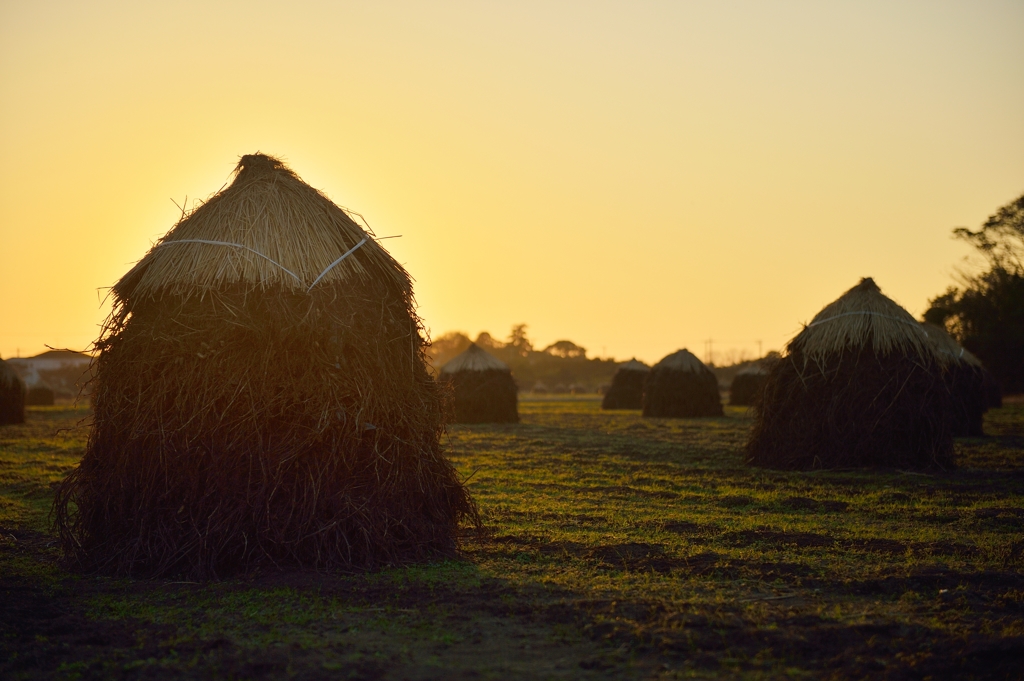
(252, 250)
(228, 243)
(328, 268)
(867, 312)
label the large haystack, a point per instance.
(860, 386)
(748, 384)
(483, 388)
(12, 396)
(680, 385)
(965, 380)
(627, 389)
(262, 399)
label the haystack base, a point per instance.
(674, 393)
(854, 410)
(626, 391)
(489, 396)
(746, 389)
(966, 385)
(240, 431)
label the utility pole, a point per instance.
(709, 351)
(759, 353)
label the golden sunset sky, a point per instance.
(634, 176)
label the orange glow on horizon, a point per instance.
(635, 177)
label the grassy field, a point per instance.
(614, 547)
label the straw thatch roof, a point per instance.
(634, 365)
(474, 358)
(861, 385)
(269, 348)
(12, 396)
(682, 360)
(863, 317)
(267, 230)
(947, 345)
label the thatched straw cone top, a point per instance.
(948, 347)
(268, 229)
(682, 360)
(474, 358)
(634, 365)
(861, 317)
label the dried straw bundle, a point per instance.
(860, 386)
(748, 384)
(243, 417)
(627, 389)
(482, 386)
(12, 396)
(681, 386)
(965, 380)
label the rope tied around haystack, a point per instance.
(328, 268)
(864, 312)
(253, 250)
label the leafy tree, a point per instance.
(488, 342)
(566, 349)
(1001, 238)
(447, 346)
(987, 314)
(518, 341)
(563, 364)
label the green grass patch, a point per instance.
(613, 546)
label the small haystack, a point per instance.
(748, 384)
(262, 399)
(483, 388)
(965, 379)
(680, 385)
(861, 385)
(12, 396)
(627, 389)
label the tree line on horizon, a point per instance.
(561, 367)
(985, 312)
